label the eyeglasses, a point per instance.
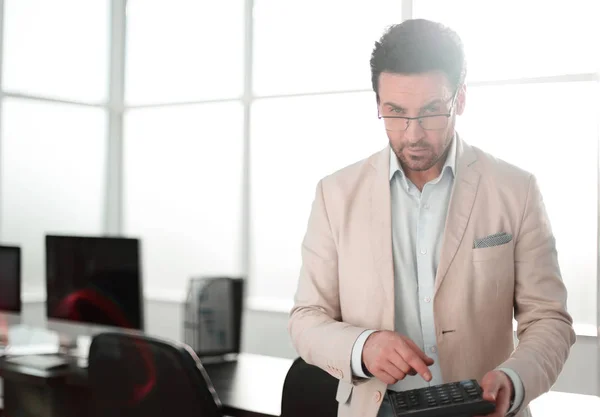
(428, 122)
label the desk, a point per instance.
(30, 392)
(249, 387)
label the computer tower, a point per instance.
(213, 316)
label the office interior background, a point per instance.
(202, 128)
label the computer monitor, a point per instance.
(10, 285)
(93, 281)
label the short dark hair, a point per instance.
(417, 46)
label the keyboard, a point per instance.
(454, 399)
(45, 362)
(33, 349)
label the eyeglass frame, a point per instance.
(419, 118)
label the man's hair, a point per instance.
(418, 46)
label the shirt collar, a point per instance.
(450, 163)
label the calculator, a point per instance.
(453, 399)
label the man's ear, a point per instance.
(461, 98)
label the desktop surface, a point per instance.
(251, 386)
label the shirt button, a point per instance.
(433, 349)
(427, 299)
(423, 251)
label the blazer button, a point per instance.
(377, 396)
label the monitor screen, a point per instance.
(10, 279)
(95, 280)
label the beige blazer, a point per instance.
(346, 283)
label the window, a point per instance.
(513, 39)
(57, 48)
(53, 125)
(184, 50)
(316, 46)
(296, 142)
(183, 140)
(53, 169)
(183, 191)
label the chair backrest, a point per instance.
(308, 391)
(133, 375)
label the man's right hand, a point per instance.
(390, 356)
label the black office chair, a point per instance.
(132, 375)
(308, 391)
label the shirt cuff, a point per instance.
(518, 387)
(356, 360)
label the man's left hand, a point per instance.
(497, 388)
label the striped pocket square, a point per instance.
(492, 240)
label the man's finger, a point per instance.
(396, 373)
(383, 376)
(428, 361)
(502, 404)
(491, 385)
(415, 361)
(399, 363)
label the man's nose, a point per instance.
(414, 132)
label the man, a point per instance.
(414, 258)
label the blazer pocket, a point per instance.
(343, 392)
(496, 239)
(493, 252)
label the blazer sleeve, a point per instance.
(317, 332)
(545, 328)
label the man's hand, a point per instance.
(497, 388)
(390, 356)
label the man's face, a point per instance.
(427, 94)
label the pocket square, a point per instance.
(492, 240)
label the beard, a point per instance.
(421, 156)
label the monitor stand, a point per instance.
(82, 348)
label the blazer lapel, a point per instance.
(381, 232)
(459, 210)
